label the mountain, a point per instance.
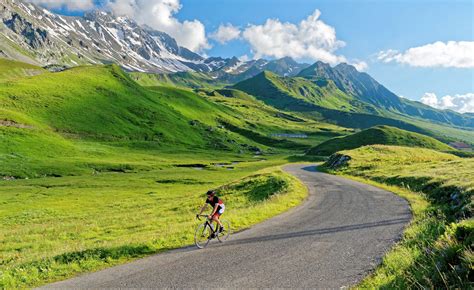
(225, 71)
(362, 86)
(322, 100)
(32, 34)
(236, 70)
(334, 99)
(284, 92)
(382, 135)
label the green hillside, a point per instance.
(188, 80)
(384, 135)
(84, 113)
(10, 70)
(283, 92)
(364, 88)
(46, 120)
(99, 103)
(320, 99)
(92, 139)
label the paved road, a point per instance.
(332, 240)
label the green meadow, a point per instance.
(378, 135)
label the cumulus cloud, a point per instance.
(309, 39)
(360, 65)
(460, 103)
(244, 58)
(458, 54)
(160, 15)
(72, 5)
(226, 33)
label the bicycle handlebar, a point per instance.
(201, 215)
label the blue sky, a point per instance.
(366, 28)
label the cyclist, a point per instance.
(218, 208)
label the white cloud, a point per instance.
(244, 58)
(459, 54)
(226, 33)
(360, 65)
(311, 38)
(460, 103)
(72, 5)
(159, 14)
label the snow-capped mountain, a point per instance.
(33, 34)
(235, 70)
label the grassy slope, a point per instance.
(241, 113)
(330, 105)
(282, 92)
(103, 106)
(180, 79)
(321, 100)
(442, 132)
(384, 135)
(266, 120)
(116, 106)
(11, 70)
(436, 249)
(123, 152)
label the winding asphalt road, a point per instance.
(332, 240)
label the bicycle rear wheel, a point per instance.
(224, 235)
(202, 236)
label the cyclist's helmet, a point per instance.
(211, 192)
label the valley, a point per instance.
(111, 133)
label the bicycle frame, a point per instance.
(208, 223)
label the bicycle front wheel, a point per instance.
(225, 234)
(202, 236)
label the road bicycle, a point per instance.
(205, 232)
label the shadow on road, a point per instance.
(317, 232)
(311, 168)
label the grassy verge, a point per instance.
(437, 247)
(54, 228)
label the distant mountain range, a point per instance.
(35, 35)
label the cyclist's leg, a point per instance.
(215, 218)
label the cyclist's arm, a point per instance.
(215, 209)
(203, 208)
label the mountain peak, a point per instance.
(98, 15)
(321, 64)
(287, 60)
(346, 67)
(319, 70)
